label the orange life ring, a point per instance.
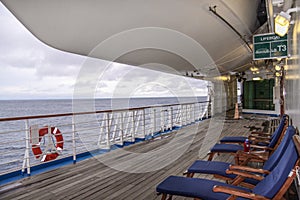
(36, 148)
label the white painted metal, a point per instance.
(26, 161)
(111, 128)
(292, 82)
(80, 26)
(73, 138)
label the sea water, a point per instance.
(12, 145)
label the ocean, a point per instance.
(12, 144)
(17, 108)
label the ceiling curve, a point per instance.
(117, 30)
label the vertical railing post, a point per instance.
(188, 113)
(133, 127)
(188, 109)
(169, 118)
(101, 129)
(180, 115)
(212, 108)
(108, 130)
(74, 139)
(197, 111)
(191, 113)
(113, 127)
(138, 123)
(209, 111)
(126, 121)
(162, 119)
(172, 120)
(154, 121)
(201, 114)
(185, 115)
(122, 128)
(26, 161)
(195, 114)
(144, 122)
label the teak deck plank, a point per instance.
(94, 180)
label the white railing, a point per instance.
(25, 142)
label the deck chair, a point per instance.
(272, 186)
(220, 169)
(233, 148)
(254, 137)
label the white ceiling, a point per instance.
(180, 34)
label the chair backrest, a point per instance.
(277, 155)
(277, 133)
(272, 183)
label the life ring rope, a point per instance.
(55, 149)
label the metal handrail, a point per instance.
(90, 112)
(111, 127)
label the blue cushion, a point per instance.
(234, 139)
(214, 167)
(202, 188)
(219, 168)
(230, 148)
(193, 187)
(270, 185)
(210, 167)
(276, 135)
(277, 155)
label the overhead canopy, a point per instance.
(182, 35)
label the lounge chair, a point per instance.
(233, 148)
(255, 137)
(272, 186)
(220, 169)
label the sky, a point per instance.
(29, 69)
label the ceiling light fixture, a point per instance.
(257, 78)
(282, 21)
(254, 69)
(278, 74)
(277, 67)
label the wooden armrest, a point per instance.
(259, 153)
(261, 147)
(296, 139)
(254, 141)
(253, 154)
(260, 133)
(248, 169)
(246, 157)
(260, 137)
(245, 174)
(238, 192)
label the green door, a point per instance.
(258, 95)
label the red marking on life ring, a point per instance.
(36, 148)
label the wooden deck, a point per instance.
(136, 178)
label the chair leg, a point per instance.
(190, 175)
(236, 159)
(164, 196)
(211, 156)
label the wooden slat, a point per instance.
(90, 178)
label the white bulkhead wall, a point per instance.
(292, 82)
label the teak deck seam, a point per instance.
(91, 179)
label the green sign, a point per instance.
(268, 46)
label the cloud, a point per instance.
(32, 70)
(138, 82)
